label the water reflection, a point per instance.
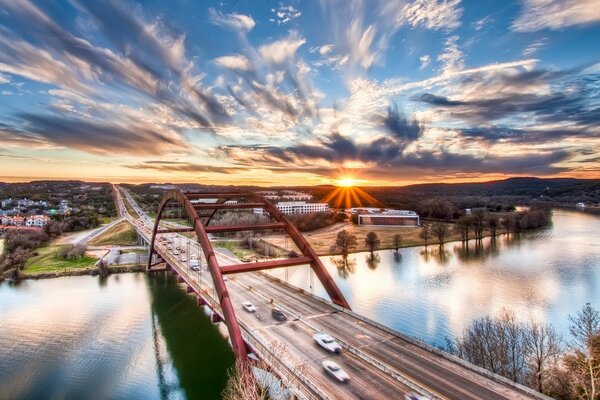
(345, 265)
(372, 260)
(436, 292)
(125, 336)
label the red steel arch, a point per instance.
(202, 229)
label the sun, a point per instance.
(345, 182)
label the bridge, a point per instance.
(381, 363)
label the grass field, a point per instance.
(46, 261)
(122, 234)
(105, 220)
(322, 242)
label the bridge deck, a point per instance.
(381, 364)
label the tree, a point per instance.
(344, 242)
(493, 221)
(583, 361)
(425, 234)
(441, 231)
(397, 240)
(479, 217)
(462, 226)
(543, 346)
(440, 209)
(372, 242)
(496, 344)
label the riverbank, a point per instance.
(321, 242)
(80, 272)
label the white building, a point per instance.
(297, 207)
(388, 217)
(296, 196)
(25, 202)
(37, 220)
(211, 201)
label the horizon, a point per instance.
(299, 93)
(175, 183)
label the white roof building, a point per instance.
(297, 207)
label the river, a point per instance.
(127, 336)
(140, 336)
(545, 275)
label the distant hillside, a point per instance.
(512, 191)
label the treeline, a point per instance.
(533, 353)
(18, 247)
(312, 222)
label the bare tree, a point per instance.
(479, 217)
(496, 344)
(425, 234)
(372, 242)
(344, 242)
(493, 221)
(543, 347)
(441, 231)
(583, 360)
(241, 385)
(462, 227)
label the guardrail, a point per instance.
(281, 367)
(286, 372)
(424, 346)
(360, 354)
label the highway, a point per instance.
(381, 364)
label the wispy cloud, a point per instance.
(284, 14)
(236, 22)
(433, 14)
(556, 14)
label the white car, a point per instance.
(414, 396)
(333, 369)
(195, 267)
(176, 252)
(248, 306)
(327, 342)
(183, 259)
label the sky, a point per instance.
(299, 92)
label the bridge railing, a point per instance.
(360, 354)
(284, 369)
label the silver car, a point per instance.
(327, 342)
(335, 371)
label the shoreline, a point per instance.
(415, 245)
(81, 272)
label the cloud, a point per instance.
(103, 137)
(556, 14)
(284, 14)
(399, 126)
(4, 79)
(326, 49)
(535, 47)
(385, 158)
(482, 23)
(360, 31)
(425, 60)
(280, 51)
(13, 137)
(236, 61)
(235, 22)
(452, 57)
(183, 166)
(537, 96)
(433, 14)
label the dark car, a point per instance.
(278, 314)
